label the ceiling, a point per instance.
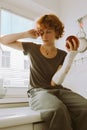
(30, 8)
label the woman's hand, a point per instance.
(53, 83)
(33, 33)
(73, 46)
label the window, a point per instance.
(4, 83)
(14, 66)
(26, 64)
(5, 59)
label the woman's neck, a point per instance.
(48, 51)
(49, 47)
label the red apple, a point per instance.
(69, 38)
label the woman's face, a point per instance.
(47, 35)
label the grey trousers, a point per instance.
(61, 109)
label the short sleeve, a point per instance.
(27, 46)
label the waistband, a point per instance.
(33, 90)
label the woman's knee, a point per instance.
(61, 108)
(43, 100)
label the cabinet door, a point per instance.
(39, 126)
(19, 127)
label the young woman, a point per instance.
(61, 108)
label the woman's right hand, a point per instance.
(33, 33)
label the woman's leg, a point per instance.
(77, 106)
(53, 111)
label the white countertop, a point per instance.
(17, 116)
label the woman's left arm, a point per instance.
(60, 75)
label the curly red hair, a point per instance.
(53, 22)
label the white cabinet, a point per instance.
(19, 127)
(39, 126)
(35, 126)
(21, 118)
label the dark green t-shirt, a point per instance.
(42, 69)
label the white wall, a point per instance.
(71, 10)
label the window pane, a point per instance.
(5, 59)
(26, 64)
